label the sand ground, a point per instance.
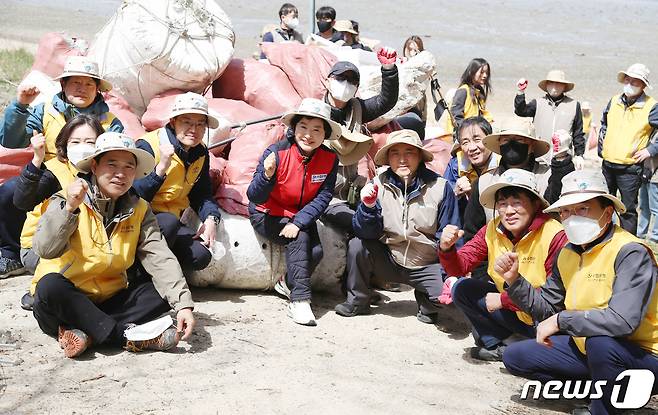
(246, 356)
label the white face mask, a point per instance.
(292, 23)
(581, 230)
(632, 91)
(76, 152)
(341, 90)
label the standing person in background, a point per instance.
(287, 30)
(557, 118)
(470, 99)
(416, 118)
(586, 108)
(81, 85)
(626, 126)
(325, 18)
(647, 224)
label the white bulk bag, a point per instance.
(242, 259)
(149, 47)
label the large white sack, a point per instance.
(152, 46)
(245, 260)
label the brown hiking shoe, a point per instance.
(165, 341)
(73, 341)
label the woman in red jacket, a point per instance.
(291, 188)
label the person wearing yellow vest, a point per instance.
(598, 310)
(557, 119)
(471, 158)
(586, 107)
(81, 86)
(520, 227)
(470, 99)
(88, 237)
(181, 179)
(626, 125)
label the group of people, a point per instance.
(537, 251)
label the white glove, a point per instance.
(579, 162)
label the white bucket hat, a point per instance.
(582, 185)
(192, 103)
(83, 66)
(637, 71)
(519, 128)
(556, 75)
(345, 26)
(111, 141)
(520, 178)
(409, 137)
(314, 108)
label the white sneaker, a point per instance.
(301, 313)
(282, 288)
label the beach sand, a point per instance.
(246, 356)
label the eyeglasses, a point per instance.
(501, 207)
(578, 211)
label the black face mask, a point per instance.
(514, 153)
(323, 26)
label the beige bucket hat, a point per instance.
(556, 75)
(344, 26)
(111, 141)
(582, 185)
(350, 147)
(311, 107)
(83, 66)
(192, 103)
(401, 137)
(637, 71)
(519, 128)
(520, 178)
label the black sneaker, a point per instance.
(428, 318)
(350, 310)
(27, 301)
(489, 355)
(9, 267)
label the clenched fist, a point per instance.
(38, 142)
(463, 186)
(449, 237)
(369, 194)
(387, 56)
(507, 265)
(166, 153)
(270, 165)
(26, 94)
(75, 194)
(521, 84)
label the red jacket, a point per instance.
(475, 251)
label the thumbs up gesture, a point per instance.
(507, 265)
(449, 237)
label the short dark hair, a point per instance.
(286, 8)
(325, 12)
(297, 118)
(97, 81)
(62, 139)
(470, 71)
(604, 202)
(514, 191)
(478, 121)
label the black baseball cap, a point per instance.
(342, 67)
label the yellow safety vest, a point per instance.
(587, 124)
(95, 262)
(466, 169)
(588, 280)
(532, 250)
(65, 174)
(473, 106)
(173, 194)
(53, 122)
(628, 129)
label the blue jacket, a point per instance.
(20, 120)
(201, 197)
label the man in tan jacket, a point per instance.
(88, 237)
